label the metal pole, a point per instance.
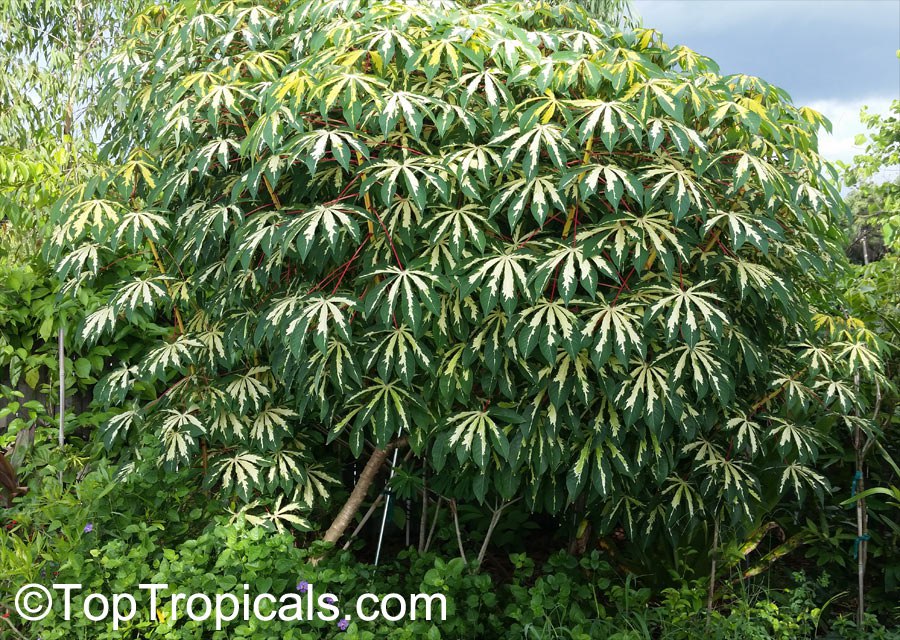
(62, 392)
(387, 506)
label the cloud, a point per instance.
(814, 50)
(710, 16)
(844, 116)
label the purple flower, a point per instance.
(303, 586)
(343, 624)
(330, 599)
(89, 527)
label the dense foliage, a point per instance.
(583, 289)
(557, 256)
(155, 529)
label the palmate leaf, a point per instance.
(239, 473)
(858, 356)
(325, 315)
(625, 233)
(140, 295)
(731, 480)
(681, 136)
(598, 459)
(818, 358)
(680, 186)
(212, 339)
(115, 386)
(618, 182)
(312, 147)
(315, 485)
(323, 224)
(383, 408)
(82, 261)
(387, 41)
(411, 107)
(570, 265)
(540, 136)
(118, 427)
(270, 426)
(228, 425)
(686, 310)
(471, 163)
(626, 510)
(706, 371)
(838, 390)
(661, 91)
(336, 365)
(768, 178)
(759, 278)
(405, 292)
(498, 277)
(489, 85)
(279, 516)
(472, 435)
(287, 469)
(463, 227)
(180, 430)
(742, 226)
(201, 225)
(801, 477)
(445, 52)
(170, 356)
(683, 495)
(397, 353)
(748, 433)
(539, 192)
(793, 437)
(612, 117)
(797, 393)
(100, 322)
(568, 374)
(97, 216)
(615, 329)
(455, 379)
(419, 176)
(646, 393)
(220, 149)
(247, 392)
(136, 226)
(258, 233)
(548, 324)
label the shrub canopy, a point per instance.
(564, 259)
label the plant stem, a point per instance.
(423, 518)
(364, 520)
(712, 572)
(495, 518)
(437, 512)
(462, 552)
(345, 516)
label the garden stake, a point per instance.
(387, 506)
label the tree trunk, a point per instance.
(348, 511)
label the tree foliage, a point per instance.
(562, 257)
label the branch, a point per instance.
(346, 514)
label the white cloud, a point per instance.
(844, 116)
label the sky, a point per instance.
(832, 55)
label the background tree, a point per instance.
(50, 57)
(872, 297)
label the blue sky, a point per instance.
(831, 55)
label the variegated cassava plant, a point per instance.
(557, 257)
